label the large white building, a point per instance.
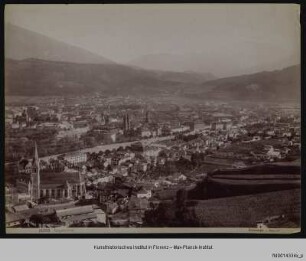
(76, 158)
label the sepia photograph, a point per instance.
(142, 118)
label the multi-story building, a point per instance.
(76, 158)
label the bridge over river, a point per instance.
(112, 146)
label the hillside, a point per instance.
(170, 62)
(282, 84)
(40, 77)
(251, 180)
(246, 211)
(22, 44)
(238, 211)
(46, 66)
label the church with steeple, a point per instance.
(46, 182)
(35, 176)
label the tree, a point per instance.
(23, 163)
(181, 197)
(157, 217)
(109, 168)
(120, 148)
(162, 154)
(180, 203)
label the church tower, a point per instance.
(148, 119)
(126, 122)
(36, 176)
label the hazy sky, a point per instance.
(246, 36)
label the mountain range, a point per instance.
(41, 77)
(21, 43)
(222, 62)
(39, 65)
(275, 85)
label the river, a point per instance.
(111, 146)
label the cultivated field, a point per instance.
(245, 211)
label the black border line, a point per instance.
(299, 235)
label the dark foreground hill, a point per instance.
(236, 198)
(251, 180)
(240, 211)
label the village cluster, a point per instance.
(107, 162)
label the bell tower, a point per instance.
(36, 176)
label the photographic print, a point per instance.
(164, 118)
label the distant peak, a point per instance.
(22, 43)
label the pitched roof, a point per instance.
(74, 211)
(60, 178)
(19, 208)
(11, 217)
(79, 218)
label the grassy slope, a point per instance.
(245, 211)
